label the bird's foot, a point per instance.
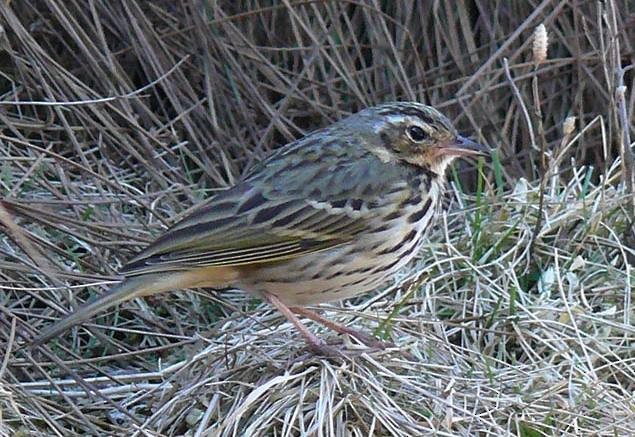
(366, 339)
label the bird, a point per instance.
(332, 215)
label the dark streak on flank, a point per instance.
(346, 273)
(429, 175)
(416, 216)
(408, 238)
(409, 252)
(414, 200)
(387, 267)
(375, 246)
(393, 215)
(336, 262)
(358, 282)
(379, 229)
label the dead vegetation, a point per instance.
(118, 117)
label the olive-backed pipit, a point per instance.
(324, 218)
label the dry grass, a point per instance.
(517, 318)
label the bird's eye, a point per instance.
(416, 133)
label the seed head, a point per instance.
(541, 42)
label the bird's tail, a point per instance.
(129, 289)
(142, 285)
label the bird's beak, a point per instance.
(465, 147)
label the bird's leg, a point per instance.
(368, 340)
(314, 342)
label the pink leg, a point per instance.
(314, 342)
(368, 340)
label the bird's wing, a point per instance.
(284, 211)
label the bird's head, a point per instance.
(415, 133)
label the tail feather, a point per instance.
(138, 286)
(129, 289)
